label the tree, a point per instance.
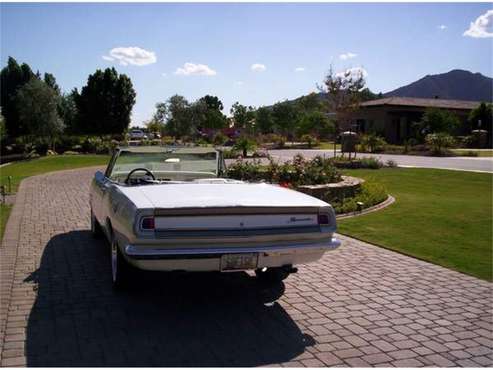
(180, 117)
(285, 117)
(213, 118)
(316, 123)
(161, 113)
(310, 102)
(13, 77)
(437, 120)
(3, 130)
(343, 94)
(212, 102)
(105, 103)
(484, 114)
(264, 121)
(243, 116)
(366, 94)
(50, 80)
(68, 111)
(37, 104)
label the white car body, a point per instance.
(205, 224)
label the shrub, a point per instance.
(167, 140)
(365, 162)
(219, 138)
(230, 154)
(278, 140)
(369, 194)
(90, 144)
(291, 173)
(41, 147)
(245, 170)
(310, 140)
(372, 143)
(201, 141)
(68, 142)
(245, 144)
(438, 142)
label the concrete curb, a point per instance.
(387, 202)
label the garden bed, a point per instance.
(319, 178)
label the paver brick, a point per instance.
(358, 306)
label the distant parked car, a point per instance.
(137, 135)
(168, 209)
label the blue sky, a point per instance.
(395, 44)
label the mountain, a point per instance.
(456, 84)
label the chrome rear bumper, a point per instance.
(142, 252)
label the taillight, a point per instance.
(323, 219)
(147, 223)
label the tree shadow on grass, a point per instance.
(161, 320)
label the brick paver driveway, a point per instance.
(361, 305)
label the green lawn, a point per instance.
(4, 216)
(327, 145)
(480, 153)
(440, 216)
(23, 169)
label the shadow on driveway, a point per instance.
(161, 320)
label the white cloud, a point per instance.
(299, 69)
(354, 72)
(164, 74)
(239, 83)
(131, 55)
(482, 26)
(192, 69)
(442, 27)
(257, 67)
(347, 56)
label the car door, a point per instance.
(101, 186)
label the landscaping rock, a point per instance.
(346, 188)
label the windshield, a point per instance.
(182, 164)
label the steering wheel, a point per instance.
(147, 172)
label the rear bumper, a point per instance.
(209, 259)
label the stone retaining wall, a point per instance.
(346, 188)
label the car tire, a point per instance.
(271, 274)
(120, 269)
(96, 230)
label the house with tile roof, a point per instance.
(393, 117)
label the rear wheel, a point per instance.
(120, 269)
(271, 274)
(95, 227)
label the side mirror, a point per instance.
(99, 177)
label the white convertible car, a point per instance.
(170, 209)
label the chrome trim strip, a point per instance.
(233, 210)
(134, 251)
(162, 233)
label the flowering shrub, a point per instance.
(293, 173)
(438, 142)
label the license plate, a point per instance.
(239, 261)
